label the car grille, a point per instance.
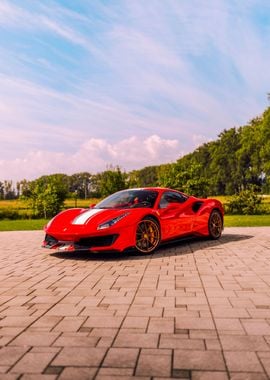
(50, 241)
(97, 241)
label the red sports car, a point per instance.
(135, 218)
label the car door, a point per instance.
(176, 215)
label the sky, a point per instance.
(86, 85)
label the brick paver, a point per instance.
(197, 310)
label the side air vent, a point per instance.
(196, 206)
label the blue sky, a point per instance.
(87, 84)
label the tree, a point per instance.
(1, 190)
(80, 183)
(264, 149)
(147, 176)
(191, 180)
(110, 181)
(9, 192)
(224, 162)
(167, 175)
(46, 195)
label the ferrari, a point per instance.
(140, 219)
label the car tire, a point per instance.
(215, 225)
(147, 237)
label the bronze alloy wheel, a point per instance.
(147, 235)
(215, 224)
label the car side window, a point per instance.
(171, 197)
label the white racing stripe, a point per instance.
(81, 219)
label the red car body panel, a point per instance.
(78, 228)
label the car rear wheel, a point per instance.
(147, 235)
(215, 224)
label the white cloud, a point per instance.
(94, 155)
(36, 118)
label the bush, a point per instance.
(9, 214)
(247, 202)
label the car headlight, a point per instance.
(112, 222)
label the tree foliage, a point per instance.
(79, 184)
(236, 161)
(189, 179)
(145, 177)
(46, 195)
(110, 181)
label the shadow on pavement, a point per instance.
(173, 248)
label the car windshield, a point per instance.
(129, 199)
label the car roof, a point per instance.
(155, 188)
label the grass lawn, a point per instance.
(22, 224)
(230, 221)
(247, 220)
(37, 224)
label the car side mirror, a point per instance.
(92, 205)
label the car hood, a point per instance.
(73, 220)
(94, 215)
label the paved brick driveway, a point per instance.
(196, 310)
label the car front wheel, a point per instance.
(147, 235)
(215, 224)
